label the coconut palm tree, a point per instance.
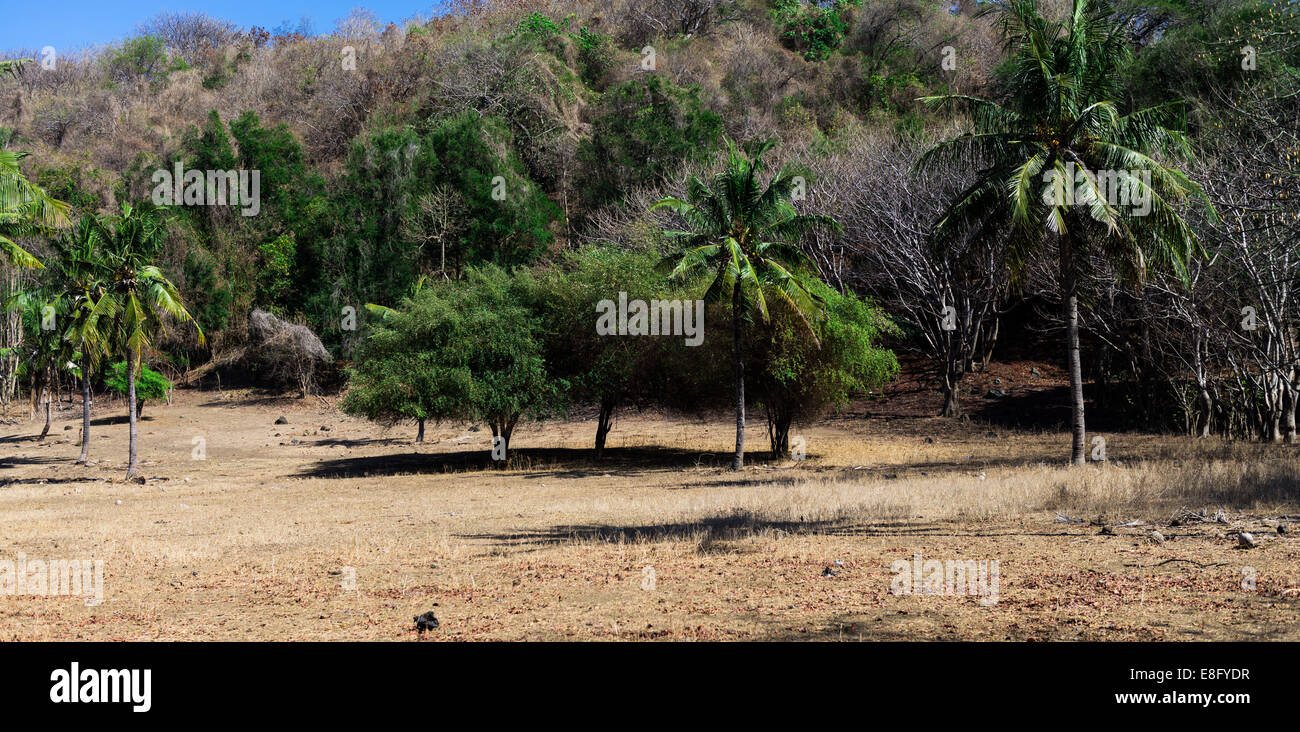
(25, 208)
(82, 283)
(746, 237)
(1063, 171)
(137, 296)
(43, 352)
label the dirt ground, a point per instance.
(331, 528)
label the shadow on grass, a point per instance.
(735, 526)
(533, 463)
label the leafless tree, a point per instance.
(949, 297)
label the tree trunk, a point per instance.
(739, 461)
(85, 413)
(46, 430)
(419, 434)
(133, 457)
(951, 387)
(1078, 455)
(604, 423)
(778, 425)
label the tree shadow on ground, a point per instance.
(534, 463)
(117, 419)
(729, 527)
(255, 401)
(10, 462)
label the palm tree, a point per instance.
(25, 208)
(137, 295)
(746, 237)
(1059, 123)
(43, 351)
(82, 283)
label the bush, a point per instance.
(149, 384)
(814, 29)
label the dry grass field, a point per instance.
(298, 532)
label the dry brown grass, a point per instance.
(249, 542)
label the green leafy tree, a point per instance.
(1047, 151)
(746, 237)
(462, 349)
(607, 370)
(799, 376)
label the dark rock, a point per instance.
(997, 393)
(281, 420)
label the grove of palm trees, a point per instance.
(662, 320)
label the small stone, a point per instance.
(1246, 541)
(281, 420)
(324, 428)
(828, 572)
(1034, 372)
(67, 427)
(1282, 528)
(118, 502)
(996, 393)
(1157, 537)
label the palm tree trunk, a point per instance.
(1069, 287)
(48, 398)
(85, 413)
(739, 461)
(133, 458)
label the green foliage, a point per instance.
(374, 258)
(210, 146)
(814, 29)
(801, 372)
(538, 26)
(595, 55)
(601, 368)
(645, 129)
(209, 296)
(463, 350)
(71, 183)
(278, 256)
(142, 57)
(149, 384)
(1202, 54)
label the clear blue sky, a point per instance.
(70, 24)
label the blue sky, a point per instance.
(70, 24)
